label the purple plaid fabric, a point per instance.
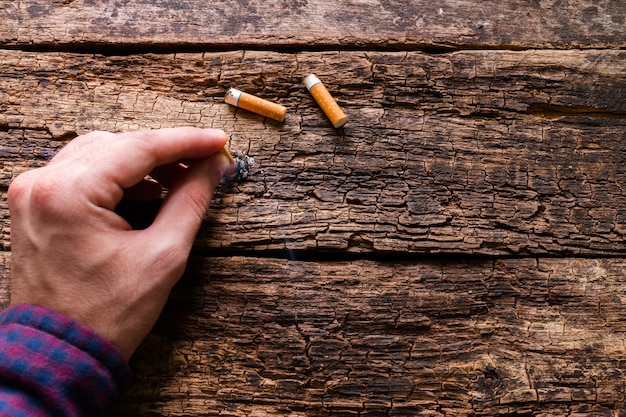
(52, 366)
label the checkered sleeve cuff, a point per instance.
(52, 365)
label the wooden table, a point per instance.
(457, 249)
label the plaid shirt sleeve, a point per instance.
(52, 366)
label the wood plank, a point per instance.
(472, 152)
(298, 24)
(260, 336)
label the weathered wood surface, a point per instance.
(482, 151)
(471, 152)
(290, 24)
(257, 336)
(543, 337)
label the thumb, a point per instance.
(188, 200)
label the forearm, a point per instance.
(51, 365)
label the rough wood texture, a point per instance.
(5, 285)
(258, 336)
(253, 337)
(292, 24)
(476, 129)
(471, 152)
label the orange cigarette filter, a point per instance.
(255, 104)
(328, 104)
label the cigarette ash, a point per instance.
(244, 164)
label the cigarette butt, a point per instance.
(328, 104)
(255, 104)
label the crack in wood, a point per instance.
(553, 111)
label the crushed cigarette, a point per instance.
(242, 164)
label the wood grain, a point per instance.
(259, 336)
(5, 284)
(456, 250)
(297, 24)
(474, 152)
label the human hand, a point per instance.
(73, 254)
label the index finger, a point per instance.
(135, 154)
(101, 165)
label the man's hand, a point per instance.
(73, 254)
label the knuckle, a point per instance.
(95, 135)
(84, 142)
(44, 192)
(19, 188)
